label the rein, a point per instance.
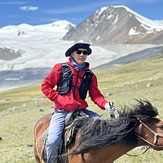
(156, 135)
(138, 154)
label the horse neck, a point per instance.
(104, 154)
(115, 151)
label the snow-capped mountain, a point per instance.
(117, 24)
(26, 46)
(28, 53)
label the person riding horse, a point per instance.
(72, 87)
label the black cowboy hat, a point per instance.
(78, 46)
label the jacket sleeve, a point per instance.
(50, 82)
(95, 94)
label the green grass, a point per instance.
(20, 108)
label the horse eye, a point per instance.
(161, 127)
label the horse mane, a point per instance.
(101, 133)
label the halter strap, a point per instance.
(156, 135)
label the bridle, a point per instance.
(156, 135)
(154, 144)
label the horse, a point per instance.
(106, 140)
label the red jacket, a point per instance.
(71, 100)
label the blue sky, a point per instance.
(36, 12)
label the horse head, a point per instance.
(151, 133)
(149, 129)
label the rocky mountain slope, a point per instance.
(117, 24)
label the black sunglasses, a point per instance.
(85, 52)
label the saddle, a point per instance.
(68, 136)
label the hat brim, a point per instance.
(76, 47)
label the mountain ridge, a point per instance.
(117, 24)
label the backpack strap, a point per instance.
(84, 87)
(65, 83)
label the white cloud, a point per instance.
(29, 8)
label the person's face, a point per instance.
(80, 55)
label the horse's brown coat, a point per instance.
(101, 154)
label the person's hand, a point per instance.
(110, 108)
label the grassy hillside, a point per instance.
(21, 108)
